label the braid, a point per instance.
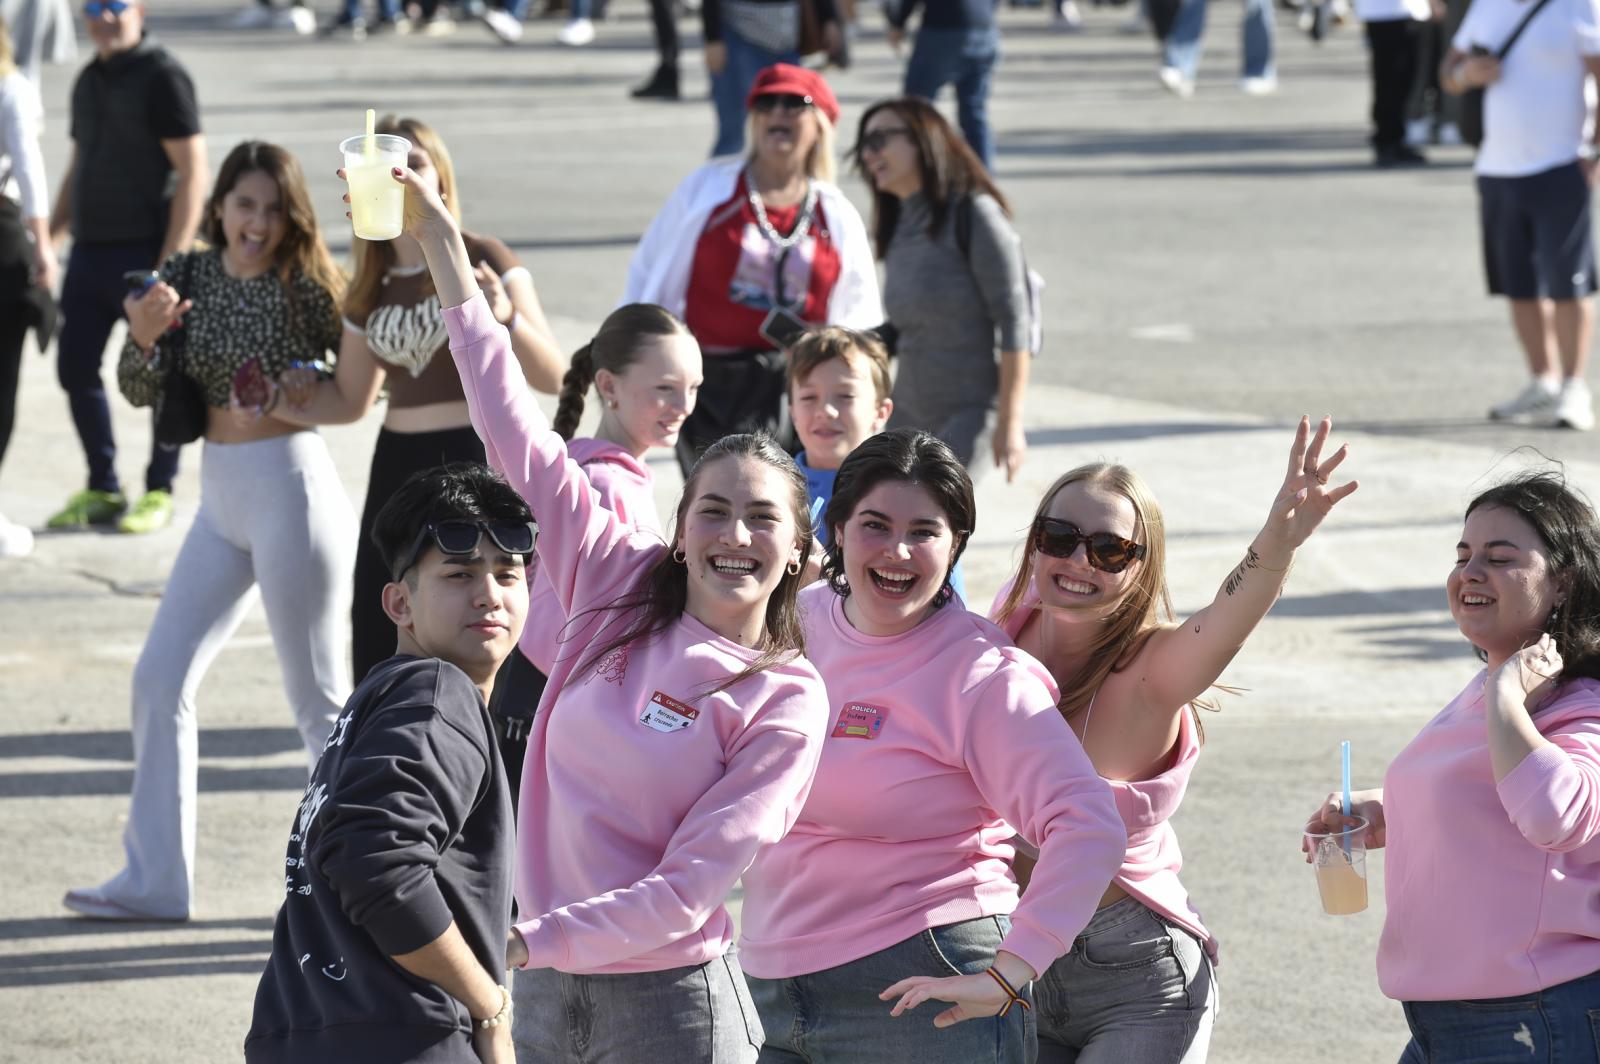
(574, 389)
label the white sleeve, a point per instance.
(854, 301)
(1585, 15)
(20, 112)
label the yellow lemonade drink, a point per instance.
(377, 199)
(1343, 888)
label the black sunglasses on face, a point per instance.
(879, 139)
(768, 102)
(1105, 551)
(461, 537)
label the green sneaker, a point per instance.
(151, 513)
(89, 508)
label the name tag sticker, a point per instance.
(858, 720)
(667, 714)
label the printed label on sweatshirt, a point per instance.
(858, 720)
(667, 714)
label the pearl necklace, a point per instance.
(770, 231)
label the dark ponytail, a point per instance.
(574, 387)
(615, 347)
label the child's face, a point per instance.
(836, 407)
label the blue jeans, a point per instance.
(1186, 41)
(965, 58)
(388, 10)
(1134, 990)
(1557, 1025)
(835, 1016)
(729, 88)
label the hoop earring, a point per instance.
(679, 557)
(793, 568)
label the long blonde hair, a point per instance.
(8, 58)
(374, 257)
(1146, 605)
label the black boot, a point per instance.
(663, 85)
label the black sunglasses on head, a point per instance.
(768, 102)
(1106, 551)
(462, 537)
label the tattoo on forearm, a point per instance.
(1236, 578)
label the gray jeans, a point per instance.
(835, 1015)
(700, 1013)
(1134, 988)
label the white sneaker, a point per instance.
(503, 24)
(1575, 407)
(15, 540)
(1068, 18)
(1419, 131)
(1450, 135)
(1536, 402)
(1265, 86)
(254, 17)
(576, 34)
(1173, 81)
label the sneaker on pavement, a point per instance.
(1450, 135)
(1173, 81)
(1068, 19)
(15, 540)
(1575, 406)
(301, 20)
(576, 33)
(151, 513)
(503, 24)
(1259, 86)
(1419, 131)
(88, 508)
(1536, 400)
(354, 28)
(254, 17)
(663, 85)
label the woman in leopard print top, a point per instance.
(272, 511)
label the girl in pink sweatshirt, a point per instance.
(646, 368)
(678, 742)
(1090, 601)
(1490, 818)
(894, 886)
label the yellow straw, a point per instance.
(369, 147)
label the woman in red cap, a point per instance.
(751, 251)
(743, 39)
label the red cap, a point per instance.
(787, 78)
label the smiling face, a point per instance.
(737, 535)
(889, 154)
(783, 138)
(898, 546)
(835, 407)
(654, 394)
(467, 609)
(253, 222)
(1503, 587)
(1071, 585)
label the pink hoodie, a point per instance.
(945, 742)
(1492, 891)
(643, 798)
(1151, 865)
(627, 488)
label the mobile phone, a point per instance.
(140, 281)
(782, 327)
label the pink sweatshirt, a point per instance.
(1493, 891)
(643, 799)
(1151, 865)
(627, 488)
(944, 742)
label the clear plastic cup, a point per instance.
(377, 200)
(1340, 858)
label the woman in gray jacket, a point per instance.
(955, 285)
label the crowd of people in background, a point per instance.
(786, 673)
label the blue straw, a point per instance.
(1344, 757)
(816, 510)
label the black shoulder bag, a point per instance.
(180, 413)
(1472, 100)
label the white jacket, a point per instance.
(659, 270)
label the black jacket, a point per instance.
(405, 825)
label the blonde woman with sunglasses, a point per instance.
(1090, 602)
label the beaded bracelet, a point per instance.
(505, 1010)
(1013, 998)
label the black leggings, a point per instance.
(16, 271)
(743, 392)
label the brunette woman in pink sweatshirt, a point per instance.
(1490, 818)
(1090, 601)
(894, 887)
(681, 740)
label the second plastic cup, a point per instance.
(1340, 858)
(377, 200)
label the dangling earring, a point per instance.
(679, 557)
(793, 568)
